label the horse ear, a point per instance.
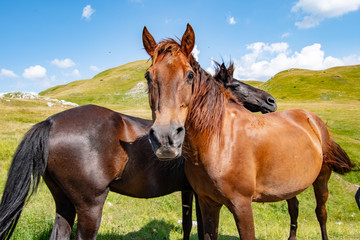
(148, 42)
(224, 75)
(188, 40)
(231, 70)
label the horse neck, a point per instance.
(207, 104)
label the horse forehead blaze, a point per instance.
(169, 69)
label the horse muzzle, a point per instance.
(269, 105)
(167, 141)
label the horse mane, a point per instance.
(208, 96)
(206, 109)
(208, 100)
(168, 45)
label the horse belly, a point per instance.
(287, 171)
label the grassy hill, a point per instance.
(124, 87)
(340, 84)
(118, 87)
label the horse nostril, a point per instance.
(177, 136)
(151, 133)
(152, 137)
(170, 141)
(271, 100)
(179, 130)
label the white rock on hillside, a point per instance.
(32, 95)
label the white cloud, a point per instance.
(211, 69)
(7, 73)
(285, 35)
(94, 68)
(168, 20)
(35, 73)
(231, 20)
(195, 52)
(309, 22)
(265, 60)
(352, 60)
(46, 83)
(317, 11)
(65, 63)
(87, 12)
(75, 74)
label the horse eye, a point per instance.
(237, 86)
(147, 76)
(190, 77)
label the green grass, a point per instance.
(340, 84)
(131, 218)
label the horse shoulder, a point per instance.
(131, 128)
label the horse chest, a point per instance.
(209, 173)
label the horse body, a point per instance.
(251, 162)
(234, 157)
(93, 150)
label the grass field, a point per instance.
(131, 218)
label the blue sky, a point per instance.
(47, 43)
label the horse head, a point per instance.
(254, 99)
(170, 79)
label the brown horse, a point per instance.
(84, 152)
(234, 157)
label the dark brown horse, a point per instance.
(234, 157)
(84, 152)
(254, 99)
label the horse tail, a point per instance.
(338, 159)
(27, 167)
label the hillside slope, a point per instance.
(125, 87)
(122, 86)
(340, 84)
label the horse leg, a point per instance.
(242, 211)
(65, 212)
(200, 224)
(357, 197)
(89, 216)
(187, 200)
(293, 209)
(210, 212)
(321, 194)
